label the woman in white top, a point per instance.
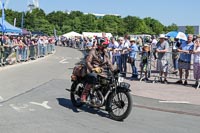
(196, 61)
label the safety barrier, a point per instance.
(16, 54)
(172, 63)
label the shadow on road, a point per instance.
(68, 104)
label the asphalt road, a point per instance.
(33, 100)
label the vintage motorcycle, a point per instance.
(110, 92)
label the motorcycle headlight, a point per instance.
(121, 79)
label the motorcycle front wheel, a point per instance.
(120, 105)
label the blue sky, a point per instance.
(166, 11)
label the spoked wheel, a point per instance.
(120, 105)
(76, 91)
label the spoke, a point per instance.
(114, 111)
(114, 102)
(123, 110)
(114, 108)
(112, 105)
(120, 97)
(120, 94)
(126, 103)
(119, 112)
(125, 98)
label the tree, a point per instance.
(57, 19)
(129, 22)
(31, 19)
(75, 14)
(65, 22)
(135, 25)
(172, 27)
(189, 30)
(111, 23)
(39, 13)
(43, 26)
(154, 25)
(88, 23)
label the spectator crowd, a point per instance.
(16, 49)
(144, 53)
(167, 53)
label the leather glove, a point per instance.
(97, 70)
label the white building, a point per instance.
(33, 4)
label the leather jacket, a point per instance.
(95, 59)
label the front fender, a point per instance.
(124, 87)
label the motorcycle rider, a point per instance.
(96, 62)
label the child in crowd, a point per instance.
(144, 61)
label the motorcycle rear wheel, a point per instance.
(75, 94)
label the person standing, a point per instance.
(7, 47)
(175, 54)
(196, 66)
(118, 53)
(1, 50)
(144, 61)
(133, 49)
(185, 58)
(153, 46)
(140, 43)
(112, 45)
(124, 55)
(163, 57)
(106, 40)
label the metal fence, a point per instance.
(12, 55)
(172, 62)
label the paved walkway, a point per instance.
(170, 93)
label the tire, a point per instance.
(121, 101)
(76, 91)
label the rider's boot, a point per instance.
(85, 92)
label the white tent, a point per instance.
(71, 34)
(91, 34)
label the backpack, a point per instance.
(80, 71)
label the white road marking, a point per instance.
(77, 58)
(19, 108)
(44, 104)
(63, 61)
(1, 105)
(174, 102)
(67, 57)
(31, 110)
(1, 98)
